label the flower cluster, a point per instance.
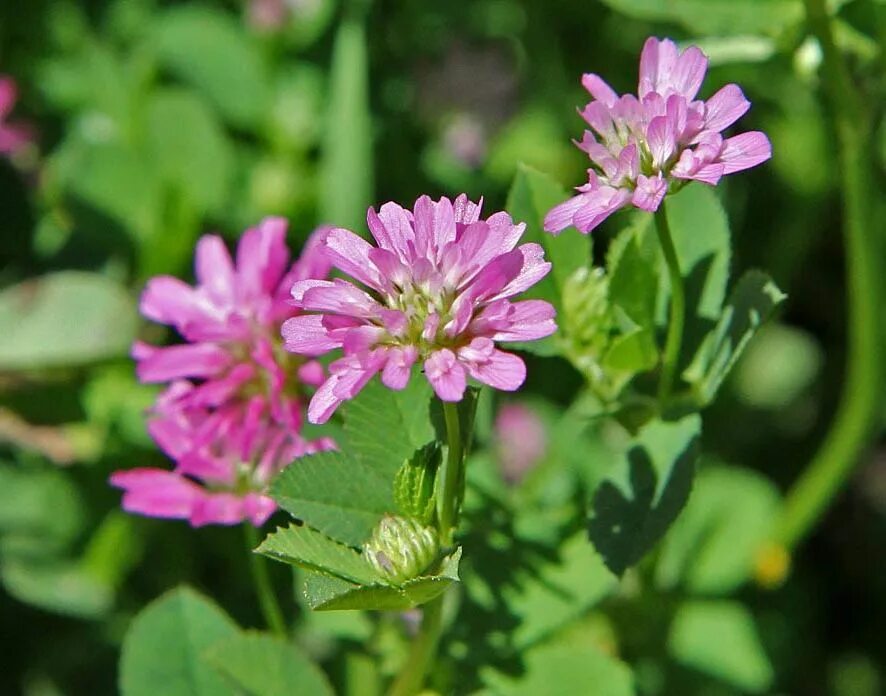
(437, 292)
(13, 136)
(231, 416)
(642, 146)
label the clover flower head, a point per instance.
(232, 414)
(436, 290)
(643, 147)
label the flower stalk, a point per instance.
(264, 591)
(449, 495)
(674, 340)
(852, 424)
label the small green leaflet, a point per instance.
(309, 549)
(327, 593)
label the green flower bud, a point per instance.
(401, 549)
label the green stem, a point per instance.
(671, 358)
(267, 599)
(424, 647)
(449, 494)
(854, 419)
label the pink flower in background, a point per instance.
(437, 292)
(13, 136)
(232, 416)
(641, 147)
(225, 459)
(521, 441)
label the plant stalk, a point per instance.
(267, 598)
(449, 494)
(674, 340)
(852, 425)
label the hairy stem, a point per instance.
(449, 494)
(852, 425)
(267, 599)
(671, 358)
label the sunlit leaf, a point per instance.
(335, 493)
(65, 318)
(165, 644)
(263, 665)
(720, 639)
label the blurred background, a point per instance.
(145, 123)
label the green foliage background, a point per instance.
(158, 121)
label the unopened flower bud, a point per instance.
(400, 548)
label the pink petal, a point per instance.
(561, 216)
(657, 59)
(8, 96)
(398, 367)
(156, 493)
(446, 375)
(661, 140)
(724, 108)
(168, 300)
(745, 151)
(313, 261)
(466, 212)
(528, 320)
(498, 369)
(197, 360)
(214, 269)
(599, 89)
(258, 508)
(262, 257)
(350, 254)
(533, 270)
(307, 335)
(312, 373)
(392, 229)
(689, 72)
(650, 192)
(340, 297)
(217, 508)
(599, 205)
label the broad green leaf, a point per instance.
(384, 427)
(714, 546)
(328, 593)
(336, 494)
(531, 196)
(633, 267)
(700, 230)
(720, 639)
(302, 546)
(753, 300)
(164, 647)
(575, 663)
(64, 319)
(208, 48)
(263, 665)
(60, 586)
(648, 486)
(346, 164)
(560, 592)
(632, 352)
(777, 367)
(190, 148)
